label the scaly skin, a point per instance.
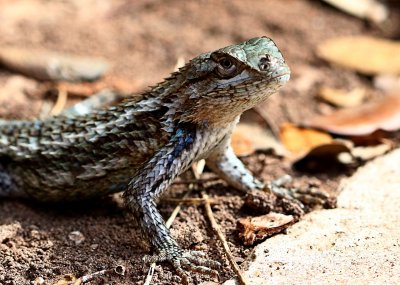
(141, 145)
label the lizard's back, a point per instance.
(64, 158)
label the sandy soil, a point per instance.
(143, 40)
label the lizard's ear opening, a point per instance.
(226, 66)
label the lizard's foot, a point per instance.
(309, 196)
(184, 261)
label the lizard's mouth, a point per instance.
(284, 77)
(244, 77)
(280, 78)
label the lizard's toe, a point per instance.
(186, 261)
(197, 263)
(309, 196)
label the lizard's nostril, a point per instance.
(265, 62)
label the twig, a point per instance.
(191, 201)
(88, 277)
(70, 279)
(60, 103)
(217, 230)
(197, 170)
(150, 274)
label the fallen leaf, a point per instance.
(247, 138)
(364, 9)
(387, 82)
(342, 98)
(383, 114)
(50, 65)
(257, 229)
(364, 54)
(299, 140)
(369, 152)
(241, 144)
(323, 158)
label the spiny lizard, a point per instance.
(142, 144)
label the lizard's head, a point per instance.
(255, 64)
(222, 84)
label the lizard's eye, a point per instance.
(225, 63)
(226, 67)
(265, 62)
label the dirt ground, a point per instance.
(143, 40)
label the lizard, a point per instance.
(142, 144)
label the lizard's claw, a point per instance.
(309, 196)
(184, 261)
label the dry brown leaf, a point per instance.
(241, 144)
(247, 138)
(364, 54)
(364, 9)
(369, 152)
(257, 229)
(383, 114)
(323, 158)
(299, 140)
(342, 98)
(387, 82)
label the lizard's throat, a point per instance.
(219, 113)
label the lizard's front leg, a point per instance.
(143, 192)
(225, 163)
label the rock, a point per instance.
(359, 242)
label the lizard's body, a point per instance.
(141, 145)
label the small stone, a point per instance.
(76, 236)
(120, 270)
(35, 234)
(38, 281)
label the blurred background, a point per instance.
(143, 40)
